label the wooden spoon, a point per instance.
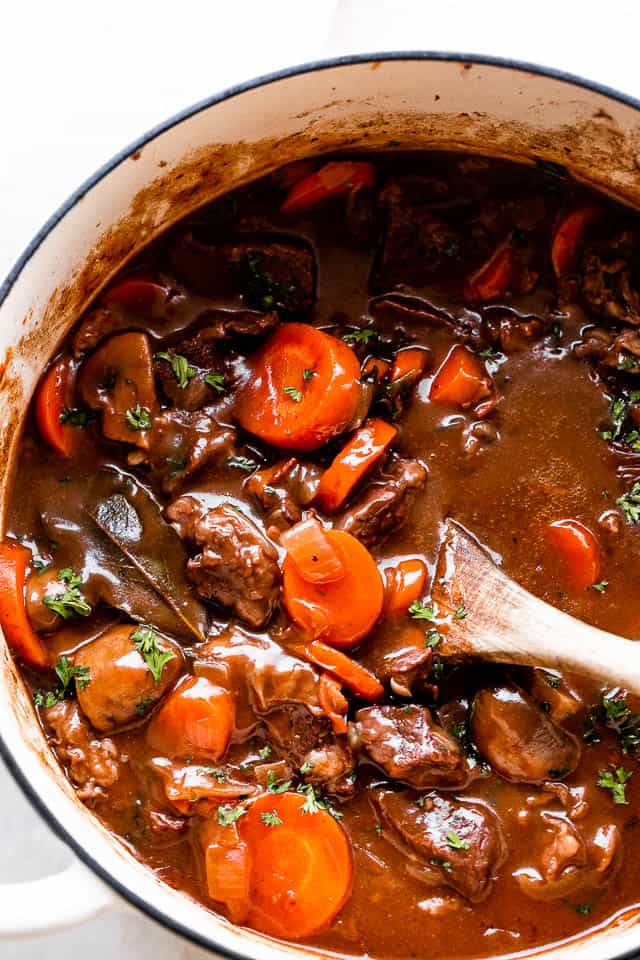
(505, 623)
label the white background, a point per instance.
(80, 80)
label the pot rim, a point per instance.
(522, 66)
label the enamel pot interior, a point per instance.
(363, 103)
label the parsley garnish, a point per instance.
(242, 463)
(39, 564)
(551, 678)
(143, 706)
(294, 393)
(138, 418)
(216, 381)
(615, 780)
(264, 752)
(77, 418)
(216, 772)
(71, 603)
(421, 611)
(584, 909)
(228, 815)
(460, 613)
(440, 862)
(180, 366)
(314, 801)
(66, 673)
(630, 503)
(271, 819)
(145, 640)
(308, 374)
(600, 587)
(433, 638)
(306, 768)
(360, 336)
(619, 717)
(262, 291)
(378, 828)
(273, 786)
(456, 842)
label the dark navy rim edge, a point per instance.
(5, 288)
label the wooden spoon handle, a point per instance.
(507, 624)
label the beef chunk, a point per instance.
(269, 275)
(409, 746)
(457, 844)
(611, 350)
(185, 442)
(609, 283)
(417, 243)
(92, 764)
(385, 504)
(518, 739)
(120, 680)
(97, 325)
(237, 566)
(282, 490)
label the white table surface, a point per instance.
(81, 80)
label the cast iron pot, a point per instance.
(400, 100)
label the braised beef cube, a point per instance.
(93, 763)
(519, 739)
(410, 746)
(385, 504)
(458, 844)
(236, 567)
(610, 277)
(416, 243)
(185, 442)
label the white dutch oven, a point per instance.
(355, 103)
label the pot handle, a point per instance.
(53, 903)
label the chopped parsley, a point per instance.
(242, 463)
(66, 672)
(456, 842)
(216, 381)
(600, 587)
(180, 366)
(143, 706)
(362, 335)
(420, 610)
(314, 801)
(306, 768)
(433, 638)
(618, 412)
(271, 819)
(441, 862)
(275, 786)
(552, 679)
(75, 417)
(215, 772)
(69, 603)
(228, 814)
(614, 713)
(584, 909)
(615, 780)
(145, 640)
(378, 828)
(264, 752)
(630, 503)
(39, 564)
(460, 613)
(308, 374)
(294, 393)
(138, 418)
(261, 290)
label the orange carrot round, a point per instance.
(462, 380)
(227, 863)
(568, 235)
(405, 584)
(316, 557)
(54, 394)
(493, 278)
(578, 550)
(137, 294)
(20, 635)
(410, 360)
(334, 178)
(352, 674)
(196, 720)
(302, 865)
(366, 447)
(342, 612)
(303, 388)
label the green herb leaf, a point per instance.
(434, 638)
(361, 335)
(460, 613)
(271, 819)
(600, 587)
(294, 393)
(216, 381)
(442, 863)
(143, 706)
(551, 678)
(584, 909)
(314, 801)
(420, 610)
(77, 418)
(456, 842)
(630, 503)
(180, 366)
(264, 752)
(66, 672)
(138, 418)
(145, 639)
(276, 786)
(69, 603)
(228, 814)
(308, 374)
(39, 564)
(615, 780)
(216, 772)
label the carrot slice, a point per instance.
(293, 173)
(405, 584)
(54, 395)
(341, 612)
(334, 178)
(365, 448)
(352, 674)
(316, 558)
(411, 360)
(568, 235)
(462, 380)
(302, 865)
(136, 294)
(493, 278)
(578, 550)
(196, 719)
(303, 388)
(227, 863)
(20, 635)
